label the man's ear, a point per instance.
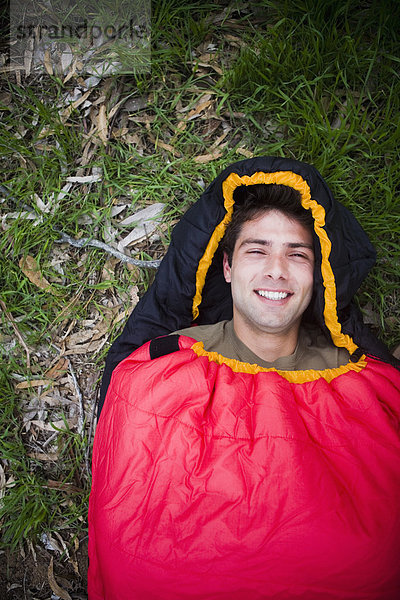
(226, 268)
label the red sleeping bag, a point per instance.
(244, 486)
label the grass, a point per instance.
(317, 81)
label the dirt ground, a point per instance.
(24, 576)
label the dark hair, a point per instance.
(254, 200)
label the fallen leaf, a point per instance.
(199, 108)
(58, 369)
(24, 385)
(181, 126)
(102, 126)
(60, 425)
(146, 221)
(79, 337)
(47, 62)
(63, 485)
(168, 147)
(66, 59)
(86, 348)
(244, 152)
(201, 64)
(396, 352)
(85, 179)
(68, 111)
(49, 457)
(119, 133)
(71, 71)
(142, 118)
(30, 268)
(205, 158)
(59, 591)
(28, 55)
(2, 481)
(219, 139)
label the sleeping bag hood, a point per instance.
(189, 286)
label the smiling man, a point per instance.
(271, 276)
(254, 453)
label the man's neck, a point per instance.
(268, 346)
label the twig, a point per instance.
(81, 243)
(17, 333)
(81, 418)
(147, 264)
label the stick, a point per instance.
(147, 264)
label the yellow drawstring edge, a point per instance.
(318, 212)
(291, 376)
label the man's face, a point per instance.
(271, 275)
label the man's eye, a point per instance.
(299, 255)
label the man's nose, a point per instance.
(276, 266)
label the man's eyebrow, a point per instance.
(300, 245)
(269, 243)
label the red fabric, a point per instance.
(210, 484)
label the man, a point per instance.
(251, 458)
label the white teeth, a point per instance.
(272, 295)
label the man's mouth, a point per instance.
(272, 295)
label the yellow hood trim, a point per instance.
(292, 376)
(318, 212)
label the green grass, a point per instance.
(316, 81)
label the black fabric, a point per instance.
(164, 345)
(167, 305)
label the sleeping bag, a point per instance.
(216, 479)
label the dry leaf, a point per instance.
(59, 591)
(142, 118)
(165, 146)
(30, 268)
(2, 481)
(85, 179)
(100, 330)
(102, 126)
(396, 352)
(219, 139)
(244, 152)
(68, 111)
(66, 59)
(49, 457)
(63, 485)
(79, 337)
(71, 72)
(119, 133)
(50, 543)
(199, 108)
(58, 369)
(60, 425)
(86, 348)
(201, 64)
(146, 221)
(24, 385)
(47, 62)
(28, 55)
(108, 271)
(181, 125)
(205, 158)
